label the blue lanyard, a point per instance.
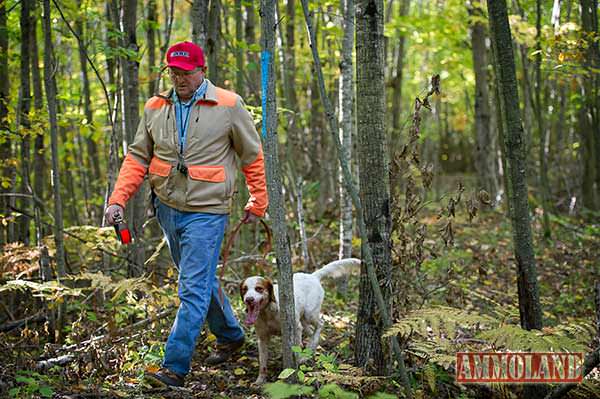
(183, 123)
(181, 108)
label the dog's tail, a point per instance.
(337, 268)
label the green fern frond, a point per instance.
(429, 376)
(439, 320)
(515, 338)
(587, 389)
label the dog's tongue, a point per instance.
(251, 314)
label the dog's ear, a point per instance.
(243, 289)
(269, 287)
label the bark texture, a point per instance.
(529, 302)
(274, 184)
(373, 167)
(50, 85)
(485, 152)
(5, 147)
(346, 132)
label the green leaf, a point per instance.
(281, 390)
(46, 392)
(14, 392)
(25, 380)
(333, 391)
(286, 373)
(382, 395)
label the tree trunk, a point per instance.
(544, 183)
(373, 168)
(485, 153)
(151, 36)
(68, 179)
(50, 85)
(213, 41)
(397, 80)
(40, 174)
(239, 54)
(590, 114)
(368, 263)
(274, 185)
(346, 118)
(25, 124)
(250, 37)
(5, 147)
(130, 68)
(112, 70)
(70, 133)
(294, 146)
(92, 159)
(529, 303)
(200, 23)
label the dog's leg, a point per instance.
(263, 357)
(318, 324)
(298, 332)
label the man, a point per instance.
(187, 142)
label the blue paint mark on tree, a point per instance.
(265, 61)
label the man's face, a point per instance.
(186, 82)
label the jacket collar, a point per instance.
(209, 96)
(211, 92)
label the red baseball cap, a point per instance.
(186, 56)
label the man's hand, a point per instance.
(249, 217)
(111, 213)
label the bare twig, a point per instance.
(38, 317)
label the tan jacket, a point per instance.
(203, 180)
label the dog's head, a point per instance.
(256, 293)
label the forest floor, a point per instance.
(479, 265)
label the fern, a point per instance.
(587, 389)
(514, 338)
(429, 376)
(435, 334)
(51, 290)
(439, 321)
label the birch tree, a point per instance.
(347, 129)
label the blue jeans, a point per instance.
(194, 241)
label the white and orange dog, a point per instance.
(261, 297)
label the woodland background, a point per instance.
(417, 90)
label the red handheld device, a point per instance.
(122, 230)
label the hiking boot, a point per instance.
(224, 352)
(164, 378)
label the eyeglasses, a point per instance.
(183, 74)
